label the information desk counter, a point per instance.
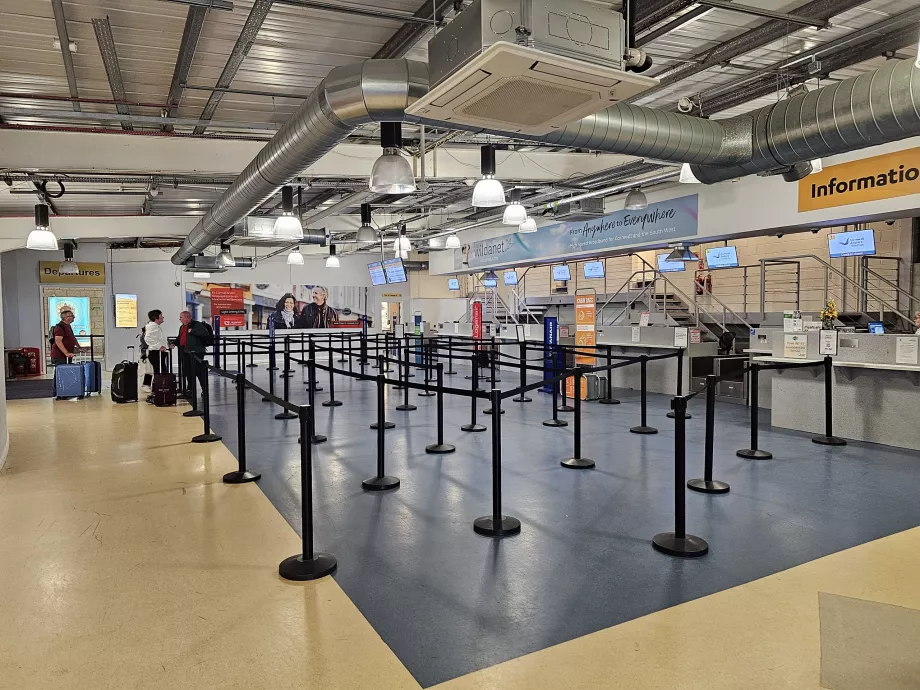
(875, 398)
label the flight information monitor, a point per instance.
(562, 272)
(594, 269)
(855, 243)
(453, 284)
(511, 278)
(665, 266)
(378, 277)
(722, 257)
(396, 272)
(490, 282)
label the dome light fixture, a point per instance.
(391, 173)
(488, 192)
(453, 242)
(402, 243)
(529, 225)
(332, 261)
(41, 238)
(68, 266)
(366, 233)
(515, 213)
(295, 258)
(686, 175)
(636, 200)
(287, 226)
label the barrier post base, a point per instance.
(241, 477)
(490, 527)
(426, 395)
(206, 438)
(300, 569)
(251, 366)
(577, 463)
(449, 373)
(670, 415)
(386, 425)
(317, 438)
(406, 408)
(828, 441)
(440, 449)
(683, 547)
(754, 454)
(380, 483)
(566, 408)
(704, 487)
(285, 415)
(286, 375)
(522, 399)
(643, 430)
(555, 422)
(609, 401)
(489, 411)
(472, 427)
(332, 403)
(193, 413)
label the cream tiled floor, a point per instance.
(126, 563)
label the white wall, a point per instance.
(4, 432)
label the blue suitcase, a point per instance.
(69, 381)
(92, 374)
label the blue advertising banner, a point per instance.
(550, 341)
(660, 222)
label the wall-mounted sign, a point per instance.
(827, 343)
(227, 303)
(795, 346)
(125, 311)
(906, 350)
(681, 337)
(665, 220)
(869, 179)
(90, 274)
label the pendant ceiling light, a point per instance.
(332, 261)
(225, 258)
(488, 192)
(682, 253)
(41, 238)
(515, 213)
(402, 243)
(295, 258)
(453, 242)
(391, 174)
(68, 266)
(366, 233)
(529, 225)
(686, 175)
(288, 226)
(636, 200)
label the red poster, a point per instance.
(477, 320)
(227, 303)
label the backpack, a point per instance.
(209, 341)
(143, 343)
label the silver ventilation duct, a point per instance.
(874, 108)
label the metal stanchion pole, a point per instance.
(288, 372)
(311, 394)
(381, 381)
(555, 421)
(426, 363)
(643, 427)
(332, 402)
(242, 475)
(440, 448)
(707, 484)
(308, 565)
(754, 453)
(576, 462)
(680, 382)
(609, 399)
(285, 413)
(381, 482)
(522, 398)
(678, 542)
(193, 393)
(208, 436)
(473, 425)
(223, 350)
(496, 524)
(240, 354)
(450, 357)
(828, 439)
(252, 352)
(493, 355)
(406, 407)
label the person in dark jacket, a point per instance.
(286, 314)
(318, 314)
(192, 339)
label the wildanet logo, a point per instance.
(485, 249)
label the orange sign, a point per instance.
(879, 177)
(585, 337)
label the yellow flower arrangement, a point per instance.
(829, 313)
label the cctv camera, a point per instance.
(890, 222)
(684, 105)
(779, 236)
(177, 284)
(814, 231)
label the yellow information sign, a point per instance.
(870, 179)
(125, 311)
(90, 274)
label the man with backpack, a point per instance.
(194, 338)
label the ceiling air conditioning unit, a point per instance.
(529, 67)
(586, 209)
(259, 231)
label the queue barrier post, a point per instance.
(207, 436)
(609, 399)
(288, 372)
(565, 407)
(401, 364)
(242, 475)
(308, 565)
(450, 357)
(522, 398)
(708, 485)
(828, 439)
(381, 405)
(252, 352)
(426, 361)
(285, 413)
(331, 402)
(643, 427)
(754, 453)
(679, 543)
(576, 462)
(493, 354)
(193, 388)
(404, 362)
(473, 426)
(496, 524)
(380, 482)
(311, 394)
(240, 354)
(440, 448)
(341, 339)
(680, 382)
(555, 421)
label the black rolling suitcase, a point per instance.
(124, 381)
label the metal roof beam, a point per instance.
(770, 14)
(57, 6)
(128, 120)
(359, 11)
(240, 50)
(206, 4)
(110, 59)
(410, 33)
(672, 25)
(194, 21)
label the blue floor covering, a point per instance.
(449, 602)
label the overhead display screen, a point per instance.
(378, 277)
(594, 269)
(562, 272)
(511, 278)
(855, 243)
(490, 282)
(395, 271)
(453, 284)
(722, 257)
(665, 266)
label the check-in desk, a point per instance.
(875, 398)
